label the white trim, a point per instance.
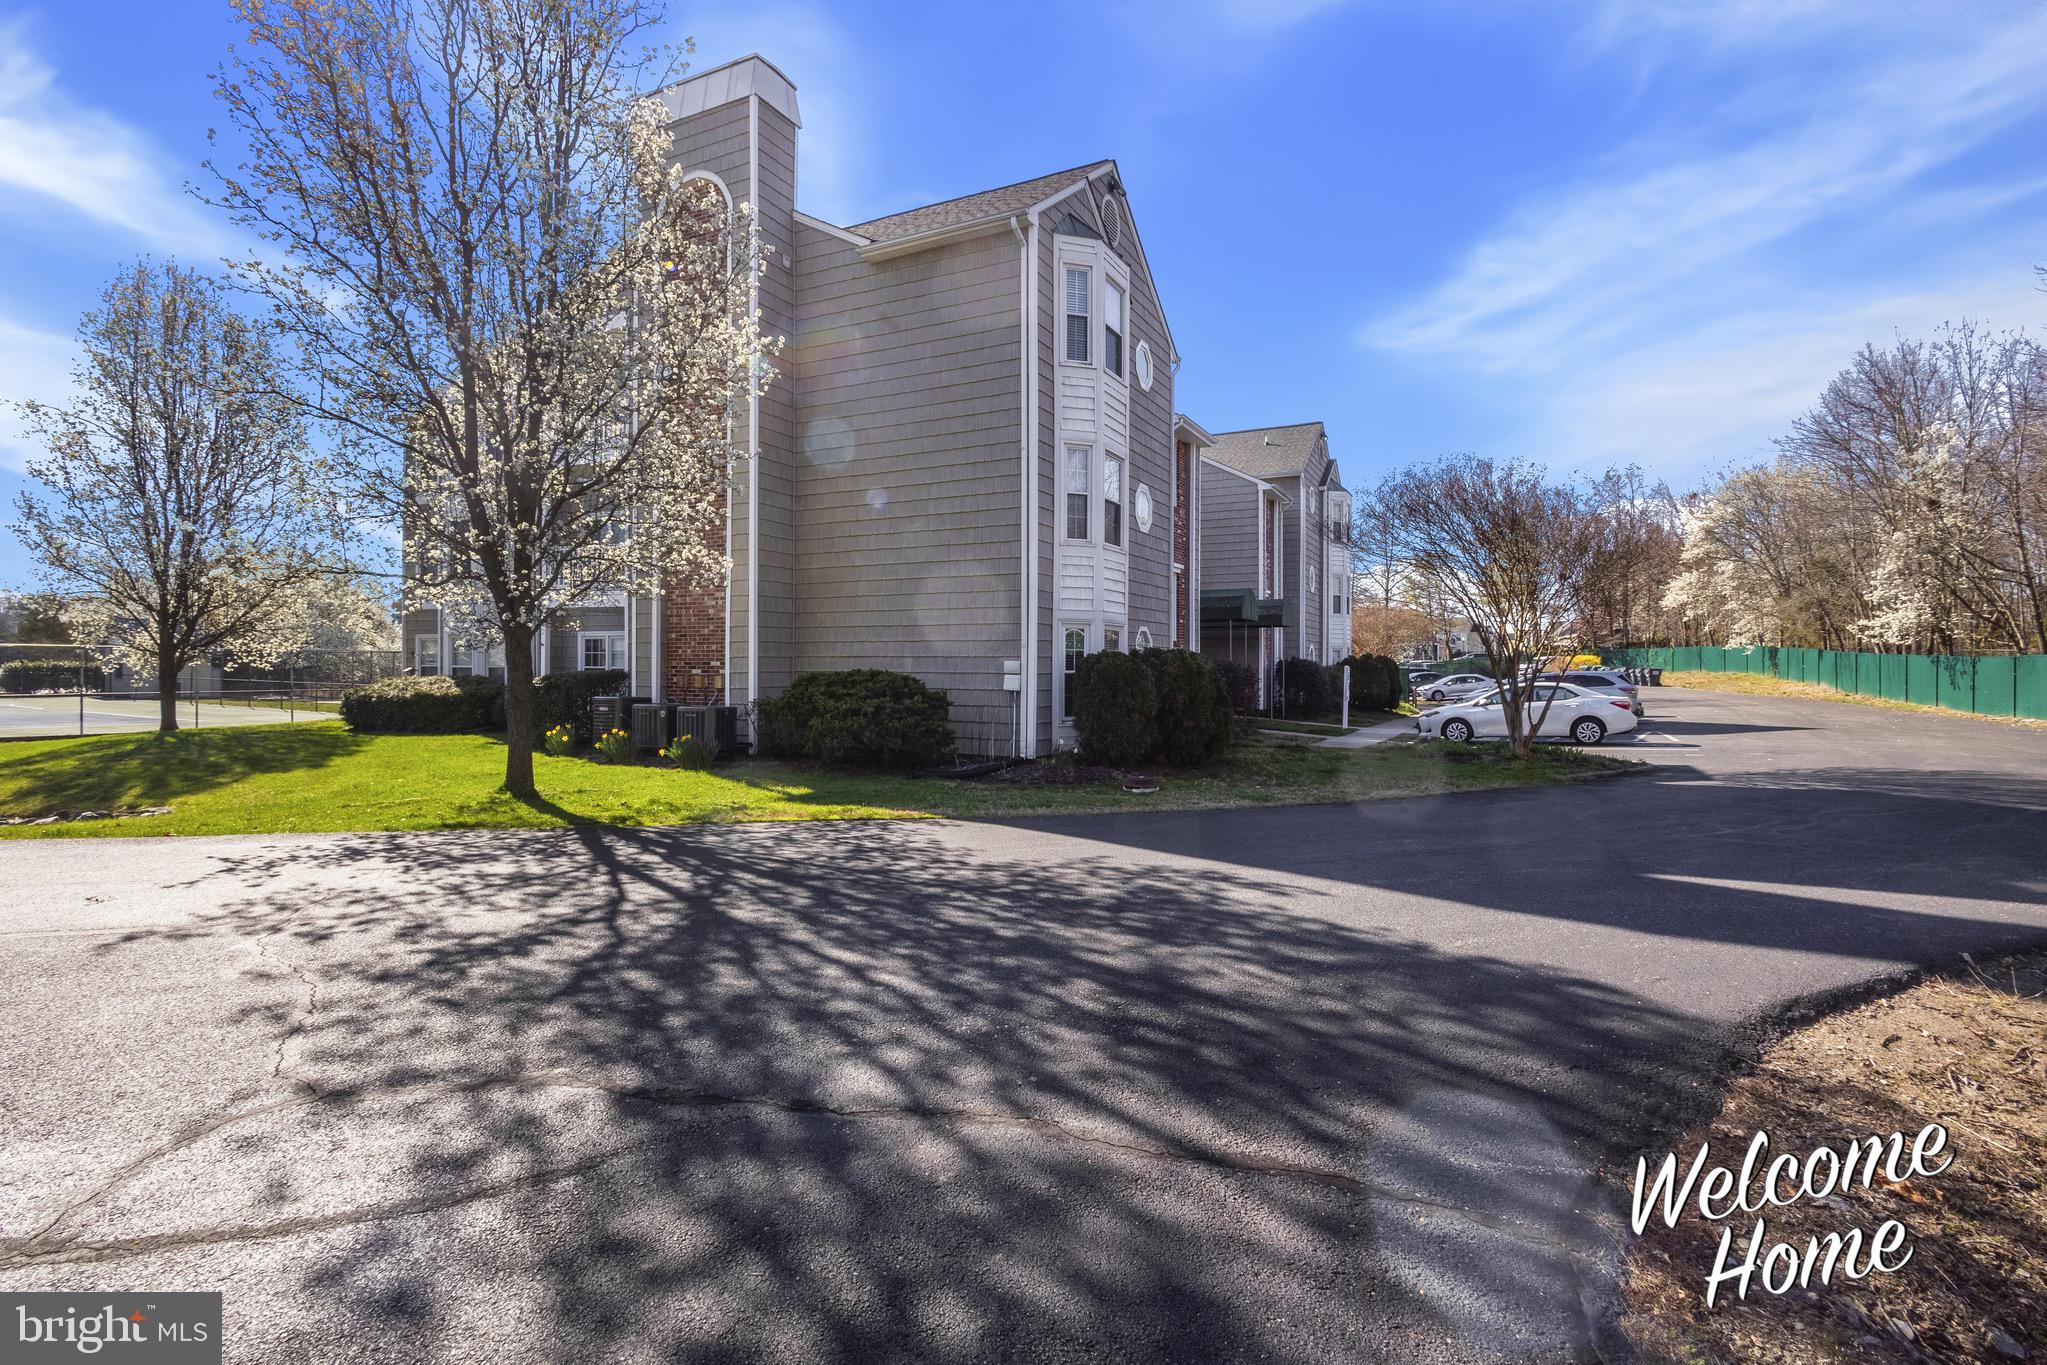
(850, 238)
(699, 173)
(930, 237)
(1251, 479)
(1182, 421)
(1064, 312)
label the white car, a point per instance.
(1577, 714)
(1600, 680)
(1456, 687)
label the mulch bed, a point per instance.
(1066, 775)
(1969, 1053)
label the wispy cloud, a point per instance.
(1724, 391)
(33, 364)
(55, 151)
(1654, 287)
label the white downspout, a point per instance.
(1028, 501)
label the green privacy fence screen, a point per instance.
(1989, 684)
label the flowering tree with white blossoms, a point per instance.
(524, 330)
(184, 516)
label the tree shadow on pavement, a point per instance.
(860, 1092)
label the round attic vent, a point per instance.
(1112, 221)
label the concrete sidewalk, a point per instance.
(1372, 734)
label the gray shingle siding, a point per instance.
(907, 541)
(1229, 532)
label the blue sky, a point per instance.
(1579, 232)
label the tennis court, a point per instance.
(58, 714)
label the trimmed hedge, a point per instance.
(564, 699)
(1303, 688)
(1115, 709)
(869, 717)
(48, 675)
(1193, 704)
(1376, 682)
(420, 706)
(1240, 685)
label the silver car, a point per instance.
(1457, 687)
(1602, 680)
(1578, 714)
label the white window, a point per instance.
(1078, 462)
(1076, 313)
(426, 654)
(1144, 637)
(1112, 639)
(1112, 500)
(1112, 328)
(1313, 585)
(603, 651)
(1076, 648)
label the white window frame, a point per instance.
(1067, 494)
(614, 648)
(425, 647)
(1122, 467)
(1066, 313)
(1121, 294)
(1067, 676)
(1112, 639)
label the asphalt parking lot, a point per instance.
(1332, 1083)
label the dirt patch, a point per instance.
(1064, 775)
(1969, 1053)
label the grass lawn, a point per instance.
(1763, 685)
(316, 776)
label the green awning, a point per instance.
(1278, 611)
(1221, 606)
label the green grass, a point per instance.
(1764, 685)
(319, 776)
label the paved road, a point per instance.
(1291, 1085)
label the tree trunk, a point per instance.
(166, 700)
(519, 708)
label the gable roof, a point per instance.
(986, 206)
(1268, 452)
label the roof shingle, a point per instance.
(971, 208)
(1267, 452)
